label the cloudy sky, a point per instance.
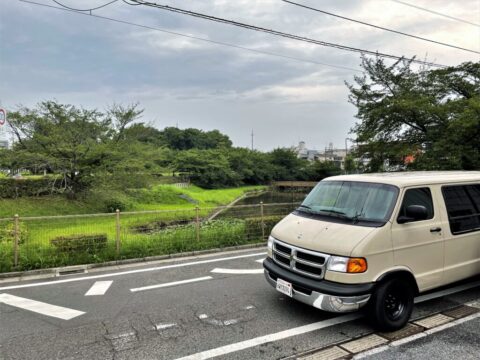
(47, 53)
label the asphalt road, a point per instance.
(189, 312)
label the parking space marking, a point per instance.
(174, 283)
(99, 288)
(260, 260)
(39, 307)
(242, 345)
(236, 271)
(156, 268)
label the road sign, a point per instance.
(3, 116)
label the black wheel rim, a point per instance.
(395, 303)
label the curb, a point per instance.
(373, 343)
(76, 269)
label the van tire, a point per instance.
(391, 304)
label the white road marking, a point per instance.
(260, 260)
(242, 345)
(40, 307)
(421, 335)
(99, 288)
(164, 326)
(236, 271)
(174, 283)
(249, 307)
(157, 268)
(202, 316)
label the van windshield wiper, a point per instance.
(336, 213)
(305, 207)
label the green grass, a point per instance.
(36, 251)
(160, 197)
(166, 197)
(44, 206)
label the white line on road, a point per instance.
(411, 338)
(242, 345)
(165, 267)
(237, 271)
(171, 284)
(40, 307)
(164, 326)
(260, 260)
(99, 288)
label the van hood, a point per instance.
(319, 235)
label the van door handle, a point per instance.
(436, 229)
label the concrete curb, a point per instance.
(57, 271)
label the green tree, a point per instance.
(73, 141)
(206, 168)
(431, 114)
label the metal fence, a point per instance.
(28, 243)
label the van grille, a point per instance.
(306, 262)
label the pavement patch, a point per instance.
(331, 353)
(364, 343)
(409, 330)
(461, 311)
(433, 321)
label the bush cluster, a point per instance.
(14, 188)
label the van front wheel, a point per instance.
(392, 304)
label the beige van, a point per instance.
(378, 240)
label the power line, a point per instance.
(437, 13)
(380, 27)
(263, 52)
(281, 34)
(84, 10)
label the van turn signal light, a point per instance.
(356, 265)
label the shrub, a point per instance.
(13, 188)
(7, 232)
(108, 200)
(88, 243)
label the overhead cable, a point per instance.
(380, 27)
(283, 34)
(437, 13)
(258, 51)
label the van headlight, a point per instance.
(347, 264)
(270, 245)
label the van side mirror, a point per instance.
(413, 213)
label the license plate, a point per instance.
(284, 287)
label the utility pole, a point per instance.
(252, 139)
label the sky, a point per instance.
(46, 54)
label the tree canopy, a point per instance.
(431, 115)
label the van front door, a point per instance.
(418, 242)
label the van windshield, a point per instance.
(350, 200)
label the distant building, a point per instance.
(304, 153)
(332, 154)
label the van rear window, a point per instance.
(463, 207)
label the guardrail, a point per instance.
(28, 243)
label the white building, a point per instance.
(3, 144)
(330, 153)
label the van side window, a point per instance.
(463, 207)
(420, 196)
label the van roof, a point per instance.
(411, 178)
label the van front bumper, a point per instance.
(322, 294)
